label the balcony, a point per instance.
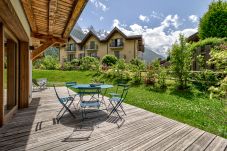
(91, 47)
(141, 48)
(70, 50)
(116, 46)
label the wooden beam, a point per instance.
(78, 8)
(52, 11)
(11, 21)
(30, 15)
(48, 37)
(1, 74)
(24, 82)
(41, 49)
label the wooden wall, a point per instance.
(1, 73)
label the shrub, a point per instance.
(47, 63)
(109, 60)
(219, 92)
(213, 23)
(150, 77)
(137, 62)
(89, 63)
(219, 57)
(75, 62)
(208, 41)
(162, 78)
(205, 79)
(68, 66)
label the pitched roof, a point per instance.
(89, 34)
(193, 38)
(104, 39)
(117, 30)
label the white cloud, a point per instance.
(156, 15)
(193, 18)
(101, 18)
(144, 18)
(171, 20)
(116, 23)
(99, 4)
(157, 39)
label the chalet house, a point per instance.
(27, 29)
(115, 43)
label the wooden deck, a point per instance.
(35, 128)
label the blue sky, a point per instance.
(159, 21)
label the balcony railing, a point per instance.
(70, 49)
(120, 45)
(92, 47)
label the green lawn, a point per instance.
(193, 108)
(60, 77)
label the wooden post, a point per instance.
(24, 83)
(11, 74)
(1, 73)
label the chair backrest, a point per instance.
(69, 84)
(124, 93)
(121, 86)
(89, 90)
(59, 99)
(35, 82)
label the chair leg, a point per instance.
(114, 110)
(122, 109)
(67, 108)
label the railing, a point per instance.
(92, 47)
(120, 45)
(72, 49)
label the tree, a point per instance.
(214, 21)
(180, 58)
(109, 60)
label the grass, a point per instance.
(60, 77)
(190, 107)
(194, 109)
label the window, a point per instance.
(117, 54)
(92, 45)
(72, 47)
(71, 57)
(117, 42)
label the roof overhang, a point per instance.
(51, 21)
(52, 18)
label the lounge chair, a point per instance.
(39, 84)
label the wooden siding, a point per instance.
(1, 73)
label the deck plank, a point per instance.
(34, 129)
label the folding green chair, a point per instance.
(93, 102)
(117, 101)
(66, 102)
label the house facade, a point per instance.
(115, 43)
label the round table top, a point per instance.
(102, 86)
